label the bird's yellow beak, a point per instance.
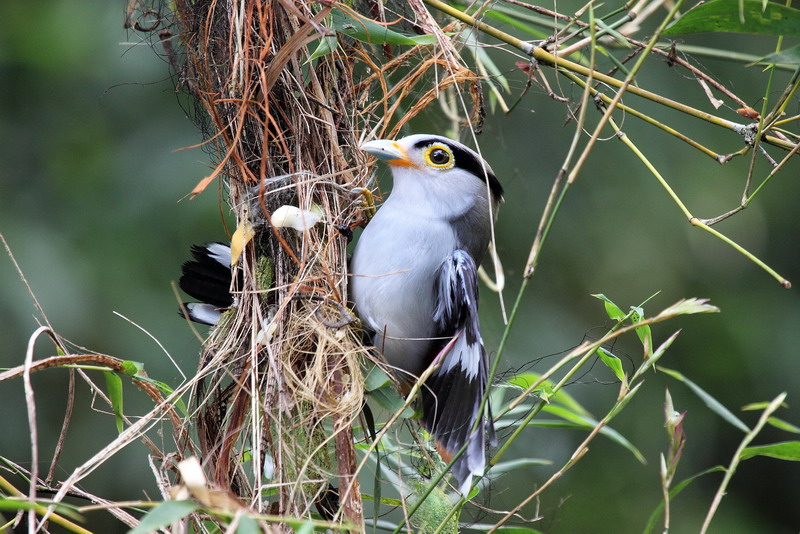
(388, 151)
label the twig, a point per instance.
(694, 221)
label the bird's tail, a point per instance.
(208, 279)
(452, 396)
(451, 400)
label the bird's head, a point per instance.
(437, 161)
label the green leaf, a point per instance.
(589, 423)
(713, 404)
(687, 307)
(723, 16)
(164, 514)
(524, 381)
(612, 362)
(248, 525)
(17, 504)
(680, 486)
(790, 56)
(659, 352)
(114, 387)
(783, 425)
(390, 400)
(369, 31)
(624, 402)
(644, 333)
(305, 528)
(514, 465)
(612, 309)
(787, 450)
(376, 489)
(376, 378)
(384, 500)
(621, 39)
(326, 45)
(166, 390)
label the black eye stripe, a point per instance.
(468, 161)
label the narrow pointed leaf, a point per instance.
(787, 450)
(114, 387)
(724, 16)
(612, 362)
(713, 404)
(525, 380)
(783, 425)
(612, 309)
(248, 525)
(164, 514)
(369, 31)
(790, 56)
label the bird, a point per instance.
(413, 282)
(414, 285)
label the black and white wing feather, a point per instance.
(208, 279)
(463, 373)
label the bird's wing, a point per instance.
(451, 397)
(200, 312)
(208, 279)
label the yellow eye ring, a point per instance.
(439, 156)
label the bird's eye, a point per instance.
(439, 156)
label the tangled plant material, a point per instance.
(276, 383)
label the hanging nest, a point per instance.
(280, 380)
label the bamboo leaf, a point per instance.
(114, 387)
(713, 404)
(305, 528)
(376, 378)
(164, 514)
(612, 309)
(390, 400)
(248, 525)
(525, 380)
(724, 16)
(588, 423)
(790, 56)
(612, 362)
(513, 465)
(787, 450)
(688, 307)
(369, 31)
(783, 425)
(17, 504)
(326, 45)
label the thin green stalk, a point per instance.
(772, 173)
(9, 489)
(781, 280)
(694, 221)
(559, 189)
(773, 406)
(547, 58)
(648, 119)
(580, 451)
(622, 89)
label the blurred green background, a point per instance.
(93, 207)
